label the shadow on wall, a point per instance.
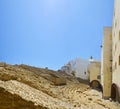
(96, 85)
(115, 93)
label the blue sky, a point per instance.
(49, 33)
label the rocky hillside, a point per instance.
(27, 87)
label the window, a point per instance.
(119, 35)
(110, 69)
(98, 77)
(119, 59)
(110, 37)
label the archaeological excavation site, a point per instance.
(47, 33)
(28, 87)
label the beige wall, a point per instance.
(94, 71)
(106, 64)
(116, 44)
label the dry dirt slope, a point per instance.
(26, 87)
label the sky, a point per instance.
(49, 33)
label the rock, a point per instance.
(90, 99)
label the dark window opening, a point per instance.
(119, 35)
(110, 69)
(119, 60)
(98, 77)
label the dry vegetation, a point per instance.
(27, 87)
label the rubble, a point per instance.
(36, 85)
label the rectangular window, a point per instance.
(119, 59)
(119, 35)
(110, 69)
(110, 37)
(98, 77)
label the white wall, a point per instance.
(79, 66)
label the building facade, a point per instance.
(115, 92)
(94, 70)
(78, 68)
(106, 62)
(110, 67)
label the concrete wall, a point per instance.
(106, 64)
(116, 44)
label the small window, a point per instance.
(98, 77)
(85, 73)
(111, 60)
(119, 35)
(110, 37)
(119, 59)
(110, 69)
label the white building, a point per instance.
(77, 68)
